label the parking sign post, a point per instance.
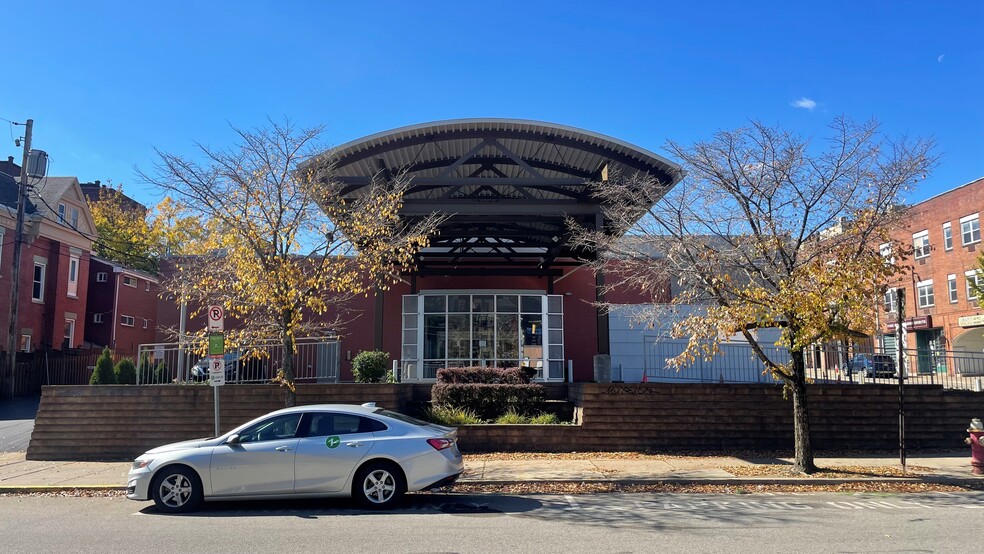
(215, 316)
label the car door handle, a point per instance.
(283, 449)
(354, 444)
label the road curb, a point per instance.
(21, 489)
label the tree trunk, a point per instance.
(801, 417)
(290, 397)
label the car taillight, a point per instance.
(440, 444)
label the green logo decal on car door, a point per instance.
(332, 441)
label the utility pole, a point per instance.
(7, 391)
(900, 368)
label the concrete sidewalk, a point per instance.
(20, 475)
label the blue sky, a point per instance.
(108, 82)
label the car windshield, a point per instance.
(401, 417)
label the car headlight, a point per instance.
(140, 464)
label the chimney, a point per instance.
(97, 182)
(10, 159)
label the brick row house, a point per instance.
(122, 310)
(58, 237)
(942, 311)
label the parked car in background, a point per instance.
(365, 452)
(872, 365)
(237, 369)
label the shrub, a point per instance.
(511, 418)
(545, 419)
(446, 415)
(103, 373)
(161, 374)
(126, 372)
(145, 369)
(369, 366)
(489, 401)
(485, 375)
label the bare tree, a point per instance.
(281, 244)
(767, 231)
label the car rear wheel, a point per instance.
(177, 489)
(378, 485)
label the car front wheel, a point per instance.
(378, 485)
(176, 490)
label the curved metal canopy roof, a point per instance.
(508, 184)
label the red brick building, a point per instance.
(58, 235)
(122, 309)
(942, 312)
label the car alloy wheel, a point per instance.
(378, 485)
(177, 490)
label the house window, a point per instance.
(69, 333)
(73, 276)
(145, 324)
(25, 343)
(927, 298)
(148, 286)
(951, 286)
(75, 218)
(970, 229)
(37, 291)
(126, 320)
(61, 213)
(973, 283)
(947, 236)
(889, 301)
(101, 277)
(886, 252)
(129, 281)
(97, 318)
(920, 242)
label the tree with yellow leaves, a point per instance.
(280, 242)
(128, 234)
(767, 231)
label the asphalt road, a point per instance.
(16, 423)
(931, 522)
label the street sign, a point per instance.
(216, 344)
(216, 319)
(216, 371)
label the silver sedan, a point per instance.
(365, 452)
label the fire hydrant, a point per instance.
(976, 442)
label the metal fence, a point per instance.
(52, 367)
(737, 363)
(316, 360)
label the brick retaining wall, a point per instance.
(119, 422)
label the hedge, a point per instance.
(485, 375)
(490, 401)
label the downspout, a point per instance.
(116, 301)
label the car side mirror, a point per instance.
(234, 439)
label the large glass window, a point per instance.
(497, 330)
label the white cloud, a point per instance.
(940, 58)
(805, 103)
